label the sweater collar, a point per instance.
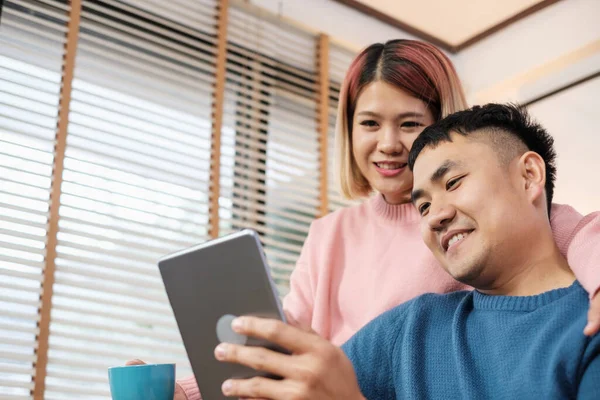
(395, 213)
(521, 303)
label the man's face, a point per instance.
(469, 204)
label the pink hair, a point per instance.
(418, 68)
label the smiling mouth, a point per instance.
(390, 165)
(455, 239)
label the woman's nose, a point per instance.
(389, 142)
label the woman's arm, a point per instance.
(578, 238)
(187, 387)
(299, 302)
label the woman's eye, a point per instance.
(410, 124)
(369, 123)
(423, 208)
(452, 183)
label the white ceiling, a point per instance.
(453, 21)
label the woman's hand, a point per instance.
(593, 325)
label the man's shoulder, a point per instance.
(420, 314)
(431, 304)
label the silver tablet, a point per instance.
(210, 284)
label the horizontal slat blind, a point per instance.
(270, 149)
(136, 182)
(32, 35)
(339, 61)
(135, 186)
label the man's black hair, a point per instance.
(501, 123)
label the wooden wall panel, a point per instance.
(55, 191)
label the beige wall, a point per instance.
(555, 45)
(548, 50)
(573, 120)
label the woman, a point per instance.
(361, 261)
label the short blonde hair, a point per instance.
(418, 68)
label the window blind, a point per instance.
(136, 180)
(270, 149)
(32, 36)
(339, 61)
(135, 186)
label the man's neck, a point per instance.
(547, 270)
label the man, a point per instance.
(483, 184)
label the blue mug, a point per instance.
(142, 382)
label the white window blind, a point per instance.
(339, 61)
(270, 149)
(135, 186)
(136, 183)
(32, 38)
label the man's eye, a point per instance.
(423, 208)
(453, 182)
(369, 123)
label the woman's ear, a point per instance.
(533, 172)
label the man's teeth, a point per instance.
(390, 165)
(456, 238)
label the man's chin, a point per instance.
(467, 274)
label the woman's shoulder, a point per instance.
(345, 216)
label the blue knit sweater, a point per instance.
(468, 345)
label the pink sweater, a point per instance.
(358, 262)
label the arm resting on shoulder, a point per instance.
(578, 238)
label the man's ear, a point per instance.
(533, 172)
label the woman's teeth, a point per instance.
(390, 165)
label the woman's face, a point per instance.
(386, 122)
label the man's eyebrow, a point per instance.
(442, 170)
(439, 173)
(416, 195)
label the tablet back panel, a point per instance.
(226, 276)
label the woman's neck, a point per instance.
(397, 198)
(394, 213)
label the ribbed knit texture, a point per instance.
(360, 261)
(468, 345)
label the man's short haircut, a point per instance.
(507, 127)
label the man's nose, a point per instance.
(440, 216)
